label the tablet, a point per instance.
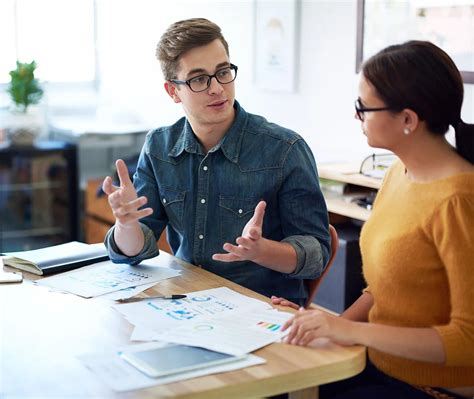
(172, 359)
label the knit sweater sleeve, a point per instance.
(453, 234)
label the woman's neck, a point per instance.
(428, 157)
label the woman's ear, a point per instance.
(410, 121)
(172, 91)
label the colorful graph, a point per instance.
(269, 326)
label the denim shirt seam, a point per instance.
(282, 165)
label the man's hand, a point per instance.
(283, 302)
(123, 200)
(249, 245)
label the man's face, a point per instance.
(211, 107)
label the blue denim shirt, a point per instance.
(205, 200)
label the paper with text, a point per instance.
(235, 334)
(105, 277)
(162, 314)
(121, 376)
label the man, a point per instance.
(238, 195)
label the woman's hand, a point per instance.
(308, 325)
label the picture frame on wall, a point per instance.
(276, 44)
(448, 24)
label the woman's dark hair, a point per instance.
(420, 76)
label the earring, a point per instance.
(406, 131)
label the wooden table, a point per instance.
(42, 332)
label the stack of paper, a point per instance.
(217, 319)
(107, 277)
(121, 376)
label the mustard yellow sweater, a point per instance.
(418, 256)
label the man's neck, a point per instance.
(209, 135)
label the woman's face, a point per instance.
(382, 128)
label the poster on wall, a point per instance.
(276, 52)
(448, 24)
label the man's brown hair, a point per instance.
(183, 36)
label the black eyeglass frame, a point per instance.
(188, 82)
(360, 109)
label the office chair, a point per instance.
(314, 284)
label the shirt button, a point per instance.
(204, 168)
(240, 211)
(201, 236)
(203, 201)
(164, 200)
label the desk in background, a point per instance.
(43, 332)
(340, 205)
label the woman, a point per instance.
(417, 315)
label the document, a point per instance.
(162, 315)
(57, 258)
(104, 277)
(126, 292)
(121, 376)
(218, 319)
(234, 334)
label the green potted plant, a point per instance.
(24, 88)
(25, 123)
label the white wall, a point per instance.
(321, 109)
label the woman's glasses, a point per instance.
(361, 110)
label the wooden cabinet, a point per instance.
(38, 195)
(99, 218)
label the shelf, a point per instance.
(38, 195)
(347, 173)
(343, 205)
(358, 185)
(31, 232)
(31, 186)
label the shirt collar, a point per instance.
(230, 143)
(186, 142)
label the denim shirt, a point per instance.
(205, 200)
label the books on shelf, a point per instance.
(57, 258)
(333, 186)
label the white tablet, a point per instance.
(172, 359)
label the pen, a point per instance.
(137, 299)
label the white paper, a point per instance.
(121, 376)
(126, 292)
(105, 277)
(235, 334)
(219, 319)
(70, 251)
(162, 314)
(142, 333)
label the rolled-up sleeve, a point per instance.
(150, 249)
(310, 263)
(303, 212)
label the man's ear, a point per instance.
(172, 91)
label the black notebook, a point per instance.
(58, 258)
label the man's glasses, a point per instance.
(202, 82)
(360, 109)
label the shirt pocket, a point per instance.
(234, 213)
(173, 203)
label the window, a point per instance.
(58, 35)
